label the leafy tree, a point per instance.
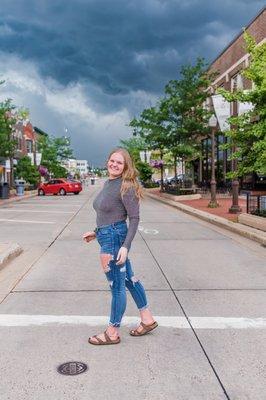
(54, 152)
(27, 171)
(145, 171)
(8, 143)
(247, 134)
(186, 115)
(133, 145)
(152, 128)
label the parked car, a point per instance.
(179, 179)
(59, 186)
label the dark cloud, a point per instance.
(121, 52)
(119, 45)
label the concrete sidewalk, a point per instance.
(9, 251)
(241, 229)
(12, 199)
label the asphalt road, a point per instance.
(206, 287)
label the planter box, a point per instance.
(174, 197)
(253, 220)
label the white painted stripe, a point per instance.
(35, 211)
(48, 205)
(227, 323)
(163, 321)
(25, 221)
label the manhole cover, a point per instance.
(72, 368)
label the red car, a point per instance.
(59, 186)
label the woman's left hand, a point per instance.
(122, 255)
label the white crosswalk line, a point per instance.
(163, 321)
(36, 211)
(25, 221)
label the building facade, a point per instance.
(26, 137)
(229, 65)
(77, 167)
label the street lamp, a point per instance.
(212, 124)
(235, 208)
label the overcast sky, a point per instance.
(89, 66)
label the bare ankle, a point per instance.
(113, 330)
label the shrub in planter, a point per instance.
(145, 171)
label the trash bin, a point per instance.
(20, 188)
(4, 190)
(92, 181)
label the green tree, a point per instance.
(187, 117)
(8, 143)
(27, 171)
(247, 134)
(54, 152)
(152, 128)
(133, 145)
(145, 171)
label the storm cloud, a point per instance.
(92, 65)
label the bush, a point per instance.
(27, 171)
(259, 213)
(150, 184)
(145, 171)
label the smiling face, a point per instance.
(115, 165)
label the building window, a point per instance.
(236, 82)
(29, 146)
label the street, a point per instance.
(206, 288)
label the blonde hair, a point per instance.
(130, 173)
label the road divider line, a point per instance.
(25, 221)
(163, 321)
(35, 211)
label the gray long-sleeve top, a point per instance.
(111, 207)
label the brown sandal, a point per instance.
(145, 329)
(108, 340)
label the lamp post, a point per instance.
(235, 208)
(212, 124)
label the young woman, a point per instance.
(118, 200)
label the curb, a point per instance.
(11, 251)
(17, 198)
(243, 230)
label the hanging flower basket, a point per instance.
(43, 170)
(157, 164)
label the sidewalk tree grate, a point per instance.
(72, 368)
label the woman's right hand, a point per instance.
(89, 236)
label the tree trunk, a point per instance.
(11, 172)
(192, 174)
(175, 168)
(161, 168)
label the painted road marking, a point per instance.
(163, 321)
(36, 211)
(151, 231)
(25, 221)
(48, 205)
(148, 231)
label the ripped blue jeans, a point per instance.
(111, 238)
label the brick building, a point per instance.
(27, 145)
(229, 64)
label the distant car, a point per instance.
(180, 179)
(59, 186)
